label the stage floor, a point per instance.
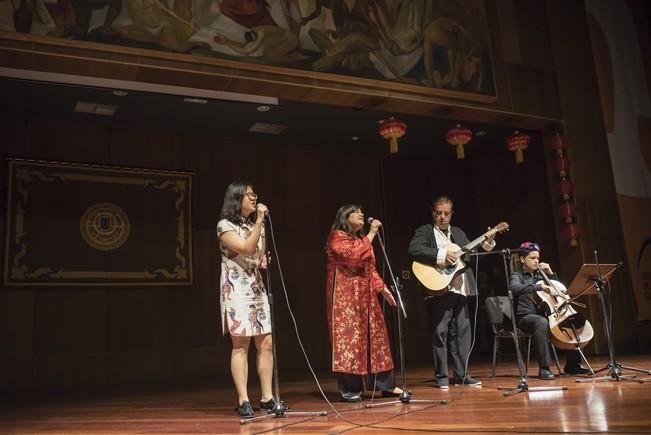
(607, 406)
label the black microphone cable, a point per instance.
(300, 342)
(338, 413)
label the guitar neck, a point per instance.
(473, 244)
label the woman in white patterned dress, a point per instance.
(244, 304)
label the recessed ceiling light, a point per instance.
(120, 93)
(263, 108)
(480, 133)
(195, 100)
(354, 138)
(94, 108)
(262, 127)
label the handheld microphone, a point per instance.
(266, 212)
(371, 219)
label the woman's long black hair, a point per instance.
(341, 219)
(232, 207)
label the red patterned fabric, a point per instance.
(355, 319)
(248, 13)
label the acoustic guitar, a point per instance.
(436, 278)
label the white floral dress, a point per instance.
(243, 298)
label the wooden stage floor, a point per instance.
(592, 407)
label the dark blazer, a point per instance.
(423, 249)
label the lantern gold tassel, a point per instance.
(393, 145)
(519, 156)
(458, 137)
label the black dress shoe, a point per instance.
(245, 410)
(468, 380)
(270, 404)
(545, 374)
(352, 399)
(576, 370)
(387, 393)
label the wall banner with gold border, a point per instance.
(73, 224)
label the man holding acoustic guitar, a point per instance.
(440, 268)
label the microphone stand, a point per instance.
(406, 395)
(279, 409)
(613, 367)
(523, 384)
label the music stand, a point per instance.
(590, 279)
(523, 384)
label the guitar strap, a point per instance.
(447, 237)
(459, 284)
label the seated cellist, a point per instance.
(524, 286)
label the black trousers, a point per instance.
(538, 326)
(450, 326)
(352, 385)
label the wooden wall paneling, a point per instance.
(16, 305)
(142, 327)
(71, 372)
(535, 46)
(207, 365)
(104, 65)
(507, 30)
(534, 91)
(502, 82)
(140, 367)
(61, 140)
(71, 338)
(145, 146)
(153, 335)
(494, 29)
(148, 66)
(17, 320)
(588, 151)
(408, 195)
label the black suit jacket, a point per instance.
(423, 249)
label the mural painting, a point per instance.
(436, 44)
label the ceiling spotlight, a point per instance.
(263, 108)
(195, 100)
(354, 138)
(120, 93)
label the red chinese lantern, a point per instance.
(458, 136)
(572, 232)
(568, 211)
(518, 142)
(557, 143)
(392, 129)
(566, 188)
(562, 166)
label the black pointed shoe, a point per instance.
(576, 370)
(545, 374)
(245, 410)
(352, 398)
(468, 380)
(269, 405)
(391, 393)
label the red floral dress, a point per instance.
(355, 319)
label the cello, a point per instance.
(569, 329)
